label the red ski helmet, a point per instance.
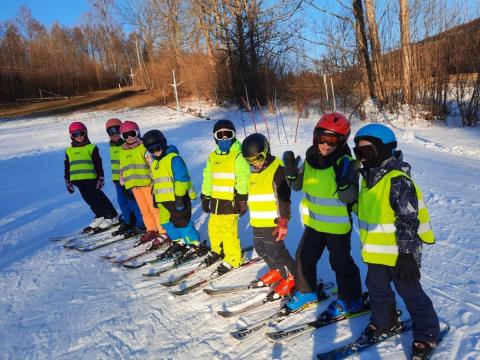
(113, 122)
(335, 122)
(77, 126)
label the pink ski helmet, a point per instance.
(128, 126)
(77, 126)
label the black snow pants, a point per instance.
(382, 302)
(310, 251)
(274, 253)
(96, 199)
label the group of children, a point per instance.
(155, 191)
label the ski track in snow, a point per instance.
(63, 304)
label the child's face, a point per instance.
(257, 164)
(326, 149)
(115, 137)
(157, 153)
(130, 137)
(78, 136)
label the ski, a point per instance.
(79, 236)
(233, 289)
(136, 263)
(212, 276)
(72, 244)
(202, 266)
(103, 243)
(360, 344)
(323, 320)
(140, 251)
(264, 302)
(176, 265)
(278, 317)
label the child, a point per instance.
(224, 196)
(269, 205)
(135, 175)
(132, 223)
(393, 222)
(330, 190)
(83, 169)
(173, 192)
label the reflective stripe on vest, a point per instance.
(262, 203)
(114, 161)
(80, 162)
(321, 208)
(163, 181)
(134, 168)
(376, 220)
(223, 175)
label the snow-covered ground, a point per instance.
(60, 304)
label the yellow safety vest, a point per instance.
(376, 220)
(134, 168)
(223, 174)
(81, 164)
(114, 161)
(321, 208)
(262, 202)
(163, 184)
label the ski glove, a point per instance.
(407, 268)
(242, 207)
(205, 203)
(70, 187)
(100, 183)
(281, 231)
(179, 204)
(291, 164)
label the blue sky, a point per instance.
(66, 12)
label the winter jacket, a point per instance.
(346, 173)
(242, 173)
(96, 159)
(403, 200)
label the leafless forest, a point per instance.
(305, 53)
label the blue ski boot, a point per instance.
(299, 300)
(340, 308)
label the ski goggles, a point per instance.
(131, 133)
(365, 152)
(78, 133)
(154, 148)
(331, 139)
(256, 158)
(224, 134)
(113, 130)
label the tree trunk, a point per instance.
(376, 50)
(405, 41)
(361, 38)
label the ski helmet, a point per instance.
(113, 122)
(129, 126)
(383, 140)
(223, 124)
(255, 147)
(153, 139)
(332, 122)
(77, 126)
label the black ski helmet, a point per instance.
(154, 138)
(254, 145)
(223, 124)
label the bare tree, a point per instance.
(405, 43)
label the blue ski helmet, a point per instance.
(382, 138)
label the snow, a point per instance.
(63, 304)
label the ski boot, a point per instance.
(107, 223)
(193, 251)
(224, 268)
(340, 308)
(157, 243)
(122, 229)
(422, 349)
(271, 277)
(92, 226)
(175, 249)
(299, 300)
(373, 334)
(211, 258)
(148, 236)
(134, 231)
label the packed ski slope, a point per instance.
(63, 304)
